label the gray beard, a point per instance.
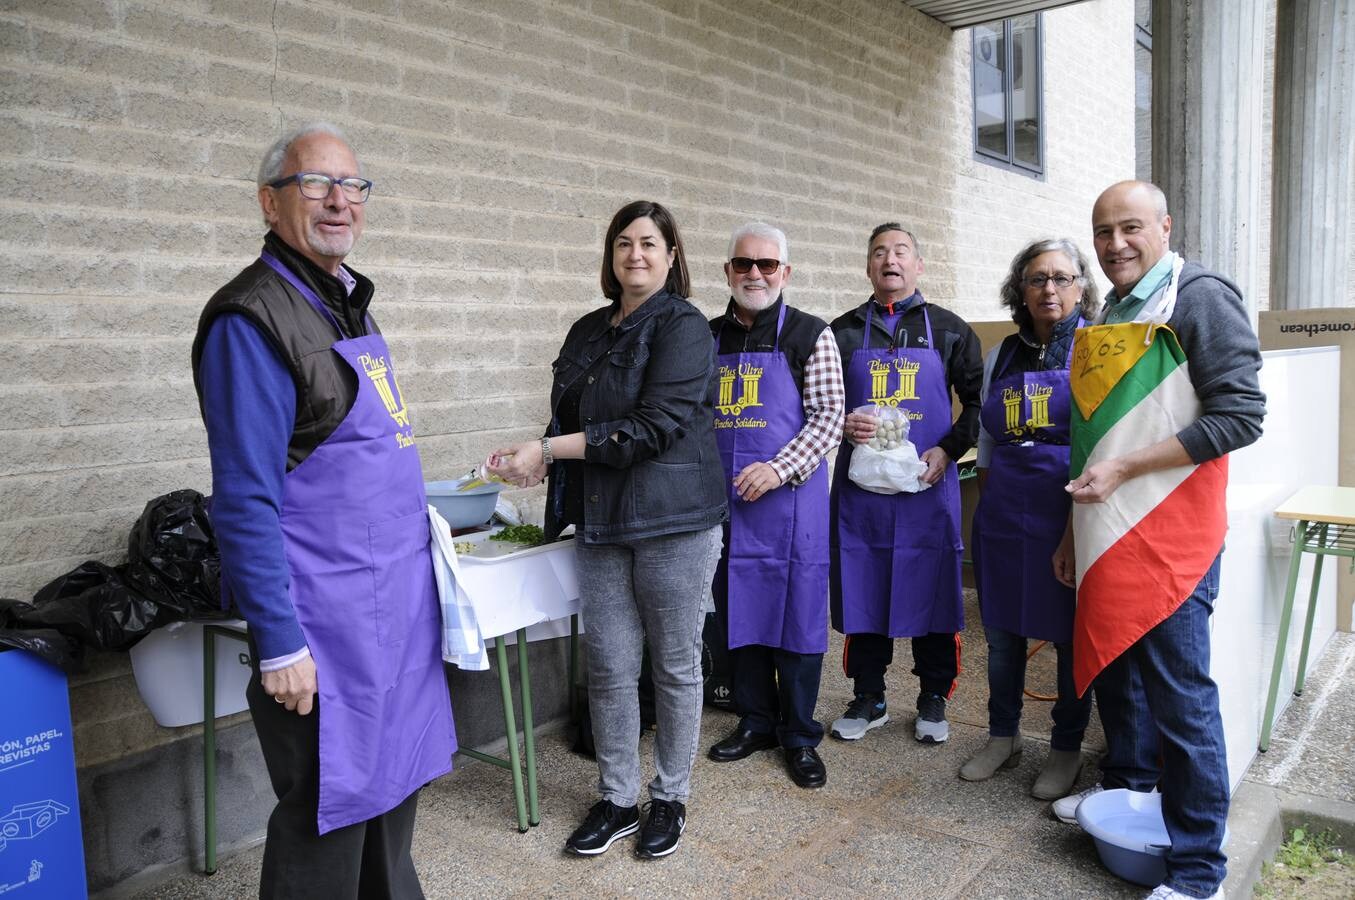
(743, 304)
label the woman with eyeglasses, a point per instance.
(1023, 508)
(634, 467)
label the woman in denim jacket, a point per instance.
(634, 468)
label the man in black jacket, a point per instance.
(896, 558)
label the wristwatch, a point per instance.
(546, 456)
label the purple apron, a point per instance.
(355, 531)
(1023, 509)
(898, 555)
(778, 544)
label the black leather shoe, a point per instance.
(603, 826)
(805, 767)
(663, 829)
(741, 744)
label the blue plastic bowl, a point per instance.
(1130, 836)
(463, 509)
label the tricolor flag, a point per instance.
(1141, 553)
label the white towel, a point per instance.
(462, 645)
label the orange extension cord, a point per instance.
(1039, 645)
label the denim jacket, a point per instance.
(648, 382)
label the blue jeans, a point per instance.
(1007, 682)
(637, 592)
(1181, 727)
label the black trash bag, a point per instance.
(172, 556)
(62, 651)
(173, 573)
(95, 604)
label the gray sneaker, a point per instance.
(931, 726)
(865, 712)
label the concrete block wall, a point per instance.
(501, 137)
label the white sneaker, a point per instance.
(1065, 810)
(1162, 892)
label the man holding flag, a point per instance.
(1164, 387)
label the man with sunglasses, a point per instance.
(896, 557)
(778, 414)
(320, 516)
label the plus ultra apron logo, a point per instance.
(731, 409)
(383, 379)
(1038, 395)
(882, 372)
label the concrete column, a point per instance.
(1314, 140)
(1207, 130)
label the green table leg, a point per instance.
(209, 749)
(1283, 638)
(1318, 560)
(511, 726)
(528, 729)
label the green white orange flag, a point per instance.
(1141, 553)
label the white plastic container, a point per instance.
(167, 664)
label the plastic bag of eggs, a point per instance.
(890, 434)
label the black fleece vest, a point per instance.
(326, 386)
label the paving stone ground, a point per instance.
(894, 819)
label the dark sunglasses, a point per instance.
(743, 265)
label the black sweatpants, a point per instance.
(367, 860)
(936, 661)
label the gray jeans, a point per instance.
(632, 592)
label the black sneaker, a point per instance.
(663, 829)
(603, 826)
(866, 711)
(931, 726)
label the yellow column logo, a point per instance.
(1039, 405)
(748, 377)
(1011, 405)
(726, 387)
(879, 381)
(377, 370)
(907, 378)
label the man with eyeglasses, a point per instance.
(778, 414)
(320, 516)
(896, 557)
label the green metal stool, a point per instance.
(1325, 527)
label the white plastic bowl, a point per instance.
(1130, 836)
(463, 509)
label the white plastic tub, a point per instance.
(1130, 836)
(167, 665)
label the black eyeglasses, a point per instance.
(317, 185)
(743, 265)
(1060, 280)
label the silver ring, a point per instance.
(279, 699)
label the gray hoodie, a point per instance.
(1223, 357)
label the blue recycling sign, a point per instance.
(41, 850)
